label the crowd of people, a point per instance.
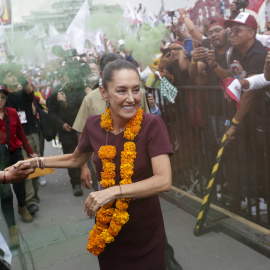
(38, 103)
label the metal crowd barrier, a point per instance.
(196, 124)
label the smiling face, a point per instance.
(174, 49)
(241, 35)
(123, 93)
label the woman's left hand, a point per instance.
(99, 198)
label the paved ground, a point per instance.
(57, 237)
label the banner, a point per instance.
(5, 10)
(255, 5)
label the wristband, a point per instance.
(42, 163)
(235, 122)
(193, 62)
(245, 84)
(214, 66)
(23, 82)
(37, 162)
(4, 181)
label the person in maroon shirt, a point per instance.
(141, 242)
(16, 140)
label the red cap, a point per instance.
(3, 89)
(216, 21)
(243, 18)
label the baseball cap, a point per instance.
(4, 90)
(243, 18)
(121, 42)
(215, 21)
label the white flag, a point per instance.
(52, 31)
(77, 29)
(129, 13)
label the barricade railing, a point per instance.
(196, 124)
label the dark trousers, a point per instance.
(6, 196)
(69, 142)
(19, 188)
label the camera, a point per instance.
(171, 13)
(241, 4)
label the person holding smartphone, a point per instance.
(174, 65)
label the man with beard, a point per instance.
(93, 77)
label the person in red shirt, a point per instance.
(13, 137)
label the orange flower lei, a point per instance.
(110, 219)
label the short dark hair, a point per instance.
(107, 58)
(118, 64)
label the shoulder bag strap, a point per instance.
(7, 125)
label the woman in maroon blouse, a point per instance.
(140, 241)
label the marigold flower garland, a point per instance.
(110, 219)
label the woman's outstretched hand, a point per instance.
(14, 176)
(22, 164)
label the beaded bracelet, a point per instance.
(37, 162)
(42, 163)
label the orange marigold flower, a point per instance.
(107, 175)
(98, 228)
(108, 205)
(107, 183)
(107, 152)
(115, 227)
(106, 120)
(108, 167)
(104, 216)
(125, 181)
(101, 233)
(121, 205)
(112, 232)
(135, 129)
(120, 217)
(107, 237)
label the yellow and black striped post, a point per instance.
(207, 198)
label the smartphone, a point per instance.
(188, 46)
(206, 43)
(165, 51)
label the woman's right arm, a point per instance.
(74, 160)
